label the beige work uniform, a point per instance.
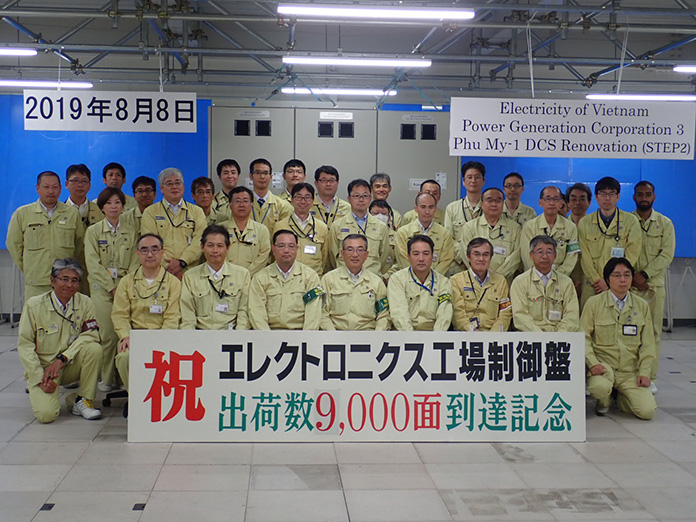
(564, 232)
(274, 209)
(457, 214)
(221, 205)
(624, 343)
(522, 214)
(181, 232)
(130, 202)
(249, 248)
(395, 219)
(443, 254)
(215, 304)
(139, 305)
(44, 332)
(92, 213)
(377, 234)
(35, 241)
(539, 308)
(137, 217)
(109, 258)
(480, 308)
(313, 247)
(354, 305)
(505, 237)
(276, 303)
(286, 196)
(656, 255)
(339, 209)
(426, 307)
(412, 216)
(599, 244)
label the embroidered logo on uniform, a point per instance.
(382, 305)
(313, 294)
(443, 298)
(345, 230)
(102, 242)
(468, 289)
(504, 304)
(573, 246)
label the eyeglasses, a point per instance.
(79, 181)
(261, 172)
(607, 193)
(360, 196)
(142, 192)
(177, 183)
(69, 280)
(478, 255)
(550, 199)
(327, 180)
(542, 253)
(353, 250)
(302, 198)
(151, 250)
(626, 275)
(513, 186)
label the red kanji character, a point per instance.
(194, 409)
(427, 413)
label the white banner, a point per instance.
(572, 129)
(304, 386)
(109, 111)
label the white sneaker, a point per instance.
(601, 411)
(106, 388)
(85, 408)
(652, 388)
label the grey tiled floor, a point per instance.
(627, 470)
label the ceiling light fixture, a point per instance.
(684, 68)
(642, 97)
(363, 62)
(9, 51)
(338, 91)
(381, 13)
(38, 84)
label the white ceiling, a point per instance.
(233, 48)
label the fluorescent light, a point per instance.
(8, 51)
(685, 68)
(367, 62)
(431, 107)
(643, 97)
(396, 13)
(30, 84)
(329, 91)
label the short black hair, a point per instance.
(579, 186)
(474, 165)
(150, 234)
(420, 238)
(80, 168)
(354, 236)
(114, 165)
(380, 203)
(215, 229)
(302, 186)
(47, 173)
(201, 181)
(358, 183)
(492, 188)
(541, 194)
(326, 169)
(105, 195)
(284, 231)
(380, 176)
(613, 263)
(477, 242)
(432, 181)
(294, 163)
(513, 175)
(241, 190)
(644, 183)
(228, 163)
(262, 161)
(607, 183)
(144, 180)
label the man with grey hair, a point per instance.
(543, 299)
(381, 188)
(59, 343)
(179, 223)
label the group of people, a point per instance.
(249, 259)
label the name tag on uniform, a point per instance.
(159, 218)
(62, 221)
(617, 252)
(630, 330)
(102, 242)
(53, 328)
(473, 324)
(156, 309)
(310, 249)
(113, 272)
(555, 315)
(434, 258)
(501, 251)
(222, 307)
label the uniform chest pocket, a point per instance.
(535, 304)
(64, 234)
(652, 242)
(47, 340)
(605, 332)
(340, 302)
(491, 305)
(35, 236)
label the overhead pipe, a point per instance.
(104, 54)
(234, 42)
(74, 62)
(165, 41)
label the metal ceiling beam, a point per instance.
(72, 32)
(74, 63)
(104, 54)
(235, 43)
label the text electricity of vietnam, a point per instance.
(572, 129)
(308, 386)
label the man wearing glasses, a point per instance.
(78, 181)
(267, 208)
(513, 186)
(146, 299)
(144, 190)
(203, 193)
(609, 232)
(551, 223)
(114, 175)
(502, 232)
(327, 206)
(294, 172)
(543, 299)
(250, 242)
(313, 234)
(360, 221)
(59, 343)
(44, 231)
(179, 223)
(355, 299)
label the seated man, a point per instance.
(285, 295)
(215, 295)
(481, 299)
(419, 297)
(59, 343)
(543, 299)
(146, 299)
(619, 344)
(355, 299)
